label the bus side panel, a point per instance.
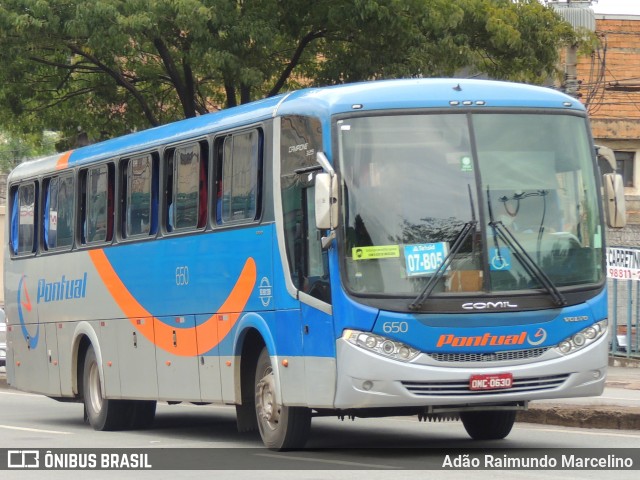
(319, 353)
(209, 365)
(27, 334)
(288, 346)
(136, 360)
(63, 333)
(109, 346)
(33, 367)
(51, 340)
(178, 376)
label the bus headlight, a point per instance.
(380, 345)
(583, 338)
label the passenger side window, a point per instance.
(58, 212)
(97, 204)
(140, 193)
(239, 177)
(23, 219)
(187, 187)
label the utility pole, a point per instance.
(580, 15)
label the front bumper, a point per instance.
(366, 380)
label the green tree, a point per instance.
(113, 66)
(16, 149)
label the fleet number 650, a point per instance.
(395, 327)
(182, 276)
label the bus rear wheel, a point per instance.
(491, 425)
(141, 413)
(101, 413)
(281, 427)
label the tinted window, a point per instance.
(239, 177)
(301, 139)
(98, 205)
(141, 196)
(187, 197)
(58, 212)
(23, 219)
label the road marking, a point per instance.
(581, 431)
(34, 430)
(322, 460)
(21, 393)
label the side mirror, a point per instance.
(326, 201)
(614, 203)
(607, 154)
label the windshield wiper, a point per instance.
(501, 231)
(467, 229)
(527, 262)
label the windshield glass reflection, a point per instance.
(411, 184)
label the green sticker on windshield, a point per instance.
(466, 165)
(374, 253)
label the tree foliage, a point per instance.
(16, 149)
(112, 66)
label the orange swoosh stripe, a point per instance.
(27, 305)
(179, 341)
(63, 161)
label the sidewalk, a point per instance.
(617, 408)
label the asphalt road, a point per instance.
(393, 446)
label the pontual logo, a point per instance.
(25, 308)
(481, 340)
(538, 338)
(493, 340)
(488, 305)
(62, 290)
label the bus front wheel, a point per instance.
(281, 427)
(491, 425)
(101, 413)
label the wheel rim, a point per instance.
(267, 409)
(95, 392)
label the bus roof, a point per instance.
(451, 93)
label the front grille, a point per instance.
(461, 387)
(489, 357)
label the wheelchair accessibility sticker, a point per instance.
(499, 259)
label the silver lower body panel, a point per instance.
(366, 380)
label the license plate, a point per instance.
(494, 381)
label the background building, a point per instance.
(609, 86)
(608, 83)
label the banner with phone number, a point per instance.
(623, 263)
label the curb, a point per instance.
(581, 416)
(627, 362)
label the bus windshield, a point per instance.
(519, 185)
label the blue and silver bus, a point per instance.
(426, 247)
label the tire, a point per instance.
(141, 413)
(491, 425)
(101, 413)
(281, 427)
